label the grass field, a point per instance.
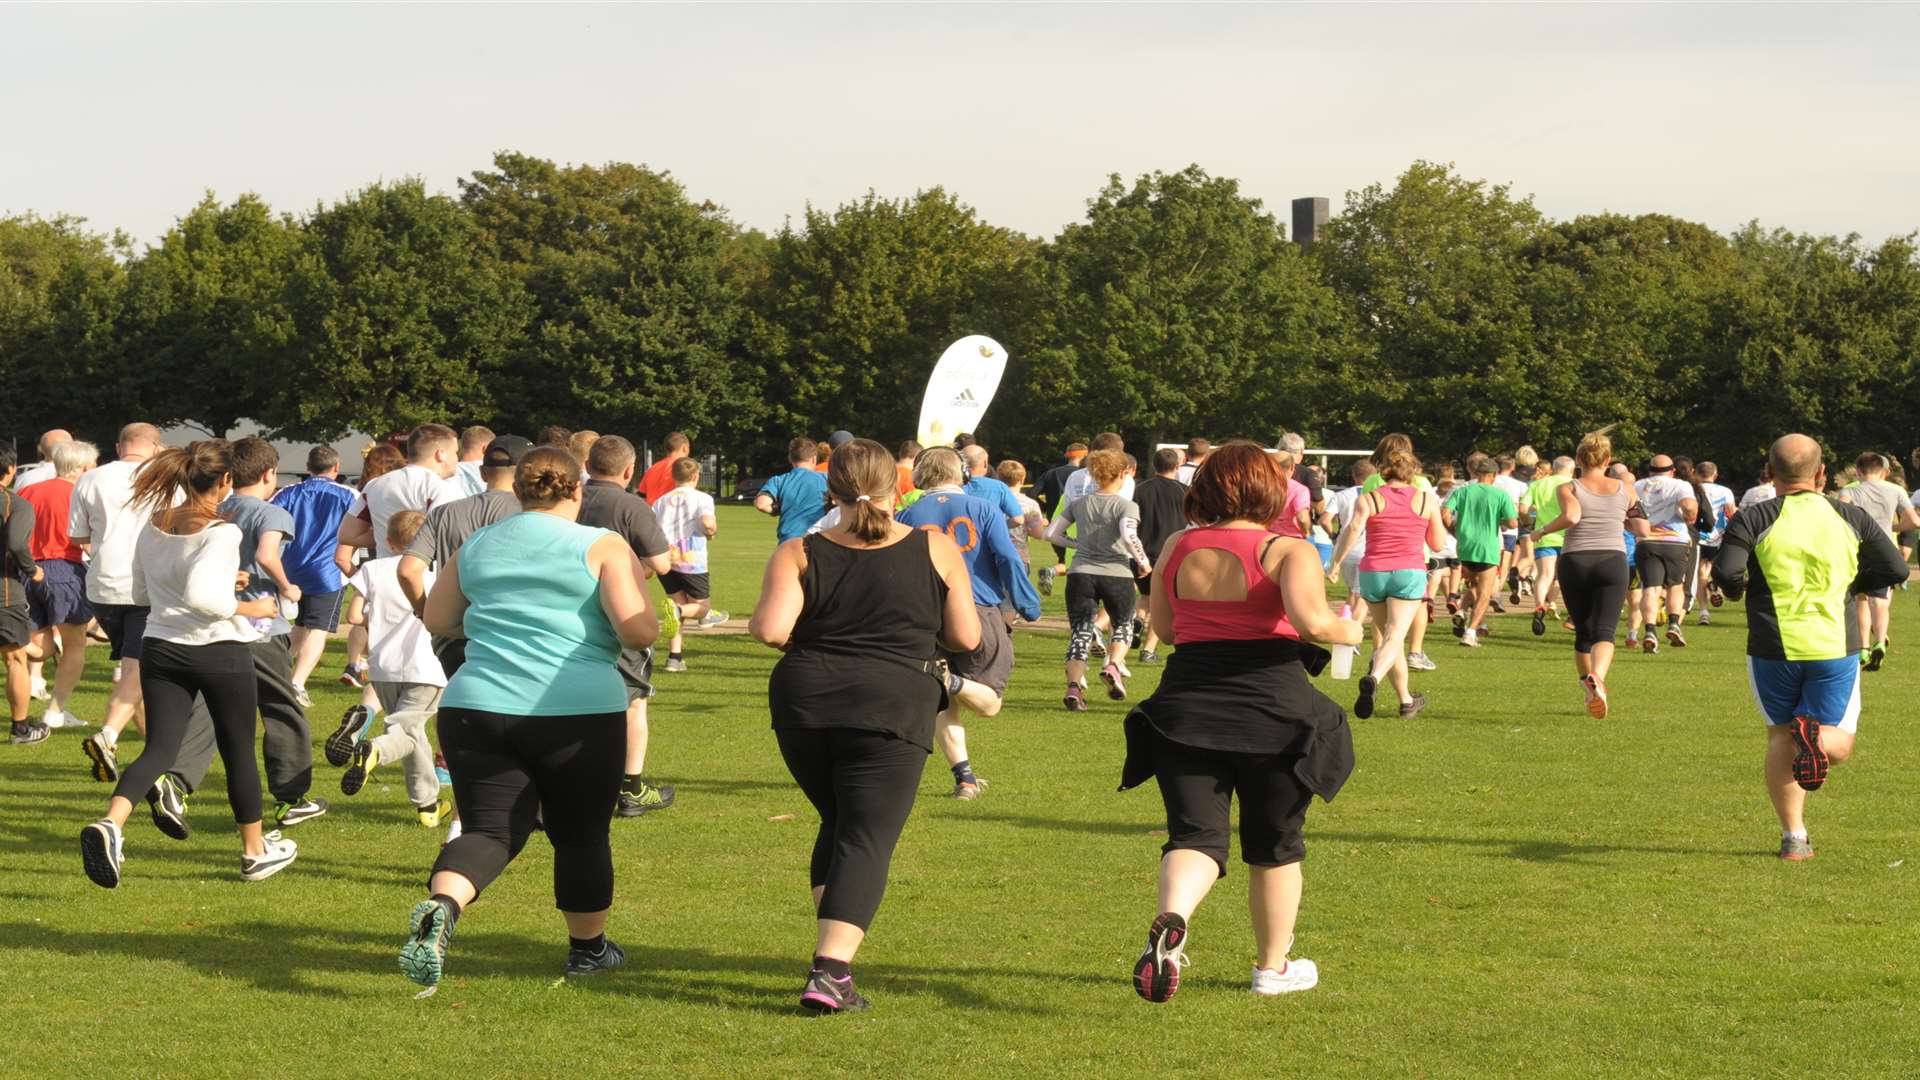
(1506, 887)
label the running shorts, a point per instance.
(1827, 690)
(59, 598)
(1509, 541)
(126, 627)
(1437, 564)
(16, 627)
(636, 670)
(1546, 553)
(991, 664)
(1477, 567)
(692, 586)
(320, 611)
(1377, 586)
(1662, 564)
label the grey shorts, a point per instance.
(636, 670)
(990, 665)
(407, 697)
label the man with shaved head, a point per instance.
(1665, 557)
(44, 469)
(1798, 557)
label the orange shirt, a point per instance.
(906, 480)
(659, 479)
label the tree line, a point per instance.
(607, 297)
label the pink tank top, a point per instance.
(1396, 535)
(1261, 615)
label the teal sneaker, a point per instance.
(424, 956)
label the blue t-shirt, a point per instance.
(980, 530)
(800, 496)
(997, 493)
(256, 516)
(317, 505)
(538, 641)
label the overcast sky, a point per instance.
(1801, 116)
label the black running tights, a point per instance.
(863, 784)
(222, 674)
(1594, 584)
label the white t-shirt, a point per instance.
(468, 479)
(1080, 485)
(100, 516)
(414, 487)
(1661, 496)
(1757, 494)
(680, 511)
(1342, 504)
(1722, 499)
(399, 649)
(1185, 475)
(1516, 490)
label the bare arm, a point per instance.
(1304, 594)
(446, 611)
(621, 595)
(355, 533)
(655, 565)
(763, 502)
(709, 525)
(1436, 532)
(268, 556)
(357, 610)
(412, 574)
(1160, 604)
(1569, 514)
(781, 598)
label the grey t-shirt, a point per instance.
(256, 516)
(449, 524)
(1102, 545)
(1881, 499)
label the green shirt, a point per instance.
(1543, 496)
(1373, 482)
(1478, 511)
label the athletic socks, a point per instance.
(833, 969)
(676, 656)
(592, 946)
(452, 905)
(1673, 621)
(963, 773)
(1786, 834)
(20, 727)
(630, 784)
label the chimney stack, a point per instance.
(1309, 220)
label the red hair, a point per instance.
(1237, 482)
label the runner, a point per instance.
(798, 496)
(1593, 518)
(1296, 516)
(1476, 513)
(57, 599)
(1663, 555)
(1081, 483)
(1722, 503)
(858, 612)
(976, 678)
(1540, 505)
(1515, 485)
(1050, 492)
(1032, 524)
(1236, 718)
(379, 460)
(1401, 522)
(1887, 504)
(473, 447)
(1196, 456)
(688, 521)
(45, 468)
(1162, 500)
(1108, 558)
(317, 506)
(1305, 472)
(659, 478)
(1804, 553)
(16, 623)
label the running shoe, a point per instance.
(430, 931)
(1567, 625)
(970, 789)
(1148, 656)
(432, 816)
(354, 725)
(1296, 975)
(99, 748)
(1098, 648)
(1514, 598)
(1497, 608)
(304, 699)
(675, 665)
(354, 675)
(277, 856)
(365, 759)
(1459, 624)
(102, 852)
(1076, 698)
(1420, 661)
(707, 622)
(1649, 644)
(1470, 639)
(1706, 618)
(1675, 638)
(1715, 596)
(1156, 975)
(57, 717)
(1116, 682)
(1363, 704)
(644, 801)
(29, 733)
(167, 799)
(1596, 692)
(1046, 580)
(580, 962)
(1539, 622)
(1796, 848)
(38, 691)
(1410, 709)
(1809, 760)
(1877, 656)
(1453, 603)
(825, 995)
(289, 814)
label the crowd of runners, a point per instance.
(501, 628)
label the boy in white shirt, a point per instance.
(686, 516)
(405, 674)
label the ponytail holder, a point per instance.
(864, 498)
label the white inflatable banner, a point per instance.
(961, 388)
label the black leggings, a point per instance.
(222, 674)
(1198, 787)
(1594, 584)
(509, 771)
(863, 784)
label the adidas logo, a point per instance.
(965, 397)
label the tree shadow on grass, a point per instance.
(1046, 824)
(1531, 849)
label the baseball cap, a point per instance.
(839, 439)
(505, 452)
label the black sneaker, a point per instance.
(1156, 975)
(581, 962)
(644, 801)
(826, 995)
(289, 814)
(1363, 704)
(365, 760)
(1413, 707)
(1459, 624)
(30, 733)
(1539, 622)
(168, 801)
(424, 956)
(353, 728)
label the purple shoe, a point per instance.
(825, 995)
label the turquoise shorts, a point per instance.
(1380, 585)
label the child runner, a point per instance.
(687, 517)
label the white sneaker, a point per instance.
(453, 832)
(102, 850)
(712, 619)
(1471, 639)
(1420, 662)
(279, 855)
(300, 696)
(39, 692)
(116, 673)
(1705, 619)
(60, 716)
(1299, 974)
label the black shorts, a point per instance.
(1088, 593)
(1477, 567)
(1436, 564)
(1145, 585)
(16, 627)
(636, 670)
(126, 628)
(1662, 564)
(320, 610)
(1877, 594)
(692, 586)
(1198, 787)
(990, 665)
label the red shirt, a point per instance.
(659, 479)
(50, 500)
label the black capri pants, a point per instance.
(863, 784)
(170, 676)
(1086, 595)
(1594, 585)
(509, 771)
(1198, 787)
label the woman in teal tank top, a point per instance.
(533, 725)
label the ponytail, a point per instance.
(862, 477)
(173, 473)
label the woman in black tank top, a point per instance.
(860, 611)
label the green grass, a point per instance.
(1506, 887)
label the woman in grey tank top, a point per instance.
(1596, 512)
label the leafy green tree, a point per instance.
(61, 287)
(639, 324)
(399, 319)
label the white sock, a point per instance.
(112, 736)
(1788, 834)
